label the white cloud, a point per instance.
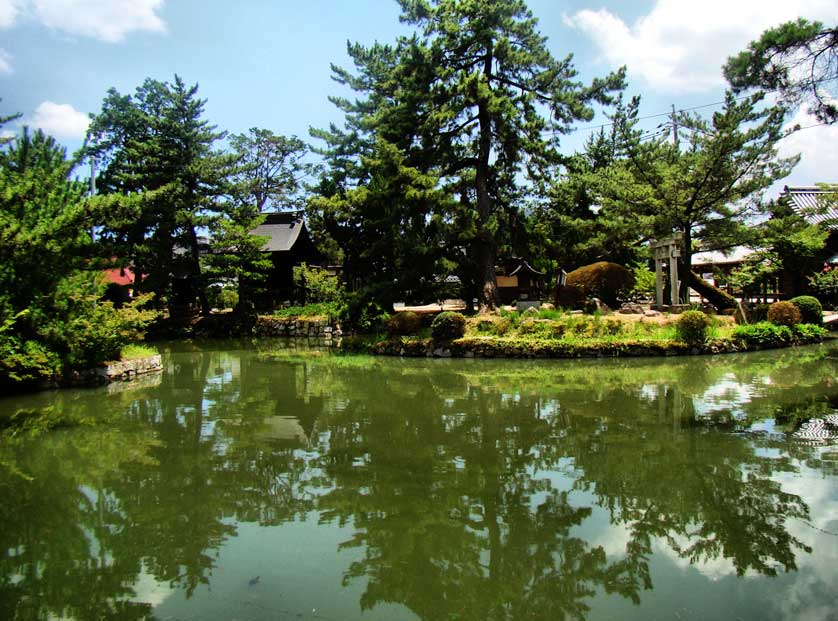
(819, 157)
(60, 120)
(108, 20)
(681, 46)
(9, 10)
(5, 62)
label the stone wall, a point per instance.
(300, 327)
(113, 372)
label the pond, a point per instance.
(263, 482)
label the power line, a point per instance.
(671, 112)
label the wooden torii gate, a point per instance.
(667, 249)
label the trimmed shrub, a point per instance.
(692, 327)
(404, 323)
(502, 326)
(784, 314)
(448, 325)
(810, 309)
(609, 282)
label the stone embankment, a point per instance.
(123, 370)
(301, 327)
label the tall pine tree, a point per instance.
(163, 178)
(487, 100)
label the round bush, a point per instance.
(784, 314)
(448, 325)
(810, 309)
(692, 327)
(404, 323)
(609, 282)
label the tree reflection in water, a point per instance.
(468, 487)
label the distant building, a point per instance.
(518, 280)
(814, 204)
(119, 285)
(289, 244)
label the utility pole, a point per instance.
(675, 140)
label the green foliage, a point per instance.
(331, 310)
(163, 182)
(363, 314)
(810, 309)
(701, 188)
(825, 283)
(784, 242)
(798, 59)
(692, 327)
(404, 323)
(763, 334)
(448, 325)
(810, 332)
(389, 226)
(223, 297)
(644, 281)
(87, 331)
(134, 351)
(470, 100)
(318, 285)
(43, 221)
(609, 282)
(568, 226)
(51, 315)
(784, 314)
(550, 313)
(268, 169)
(24, 360)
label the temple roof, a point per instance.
(282, 230)
(811, 203)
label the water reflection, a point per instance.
(433, 489)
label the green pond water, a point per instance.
(261, 482)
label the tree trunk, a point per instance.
(197, 276)
(718, 298)
(685, 268)
(485, 242)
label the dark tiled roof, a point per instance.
(811, 203)
(523, 266)
(281, 229)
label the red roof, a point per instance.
(119, 276)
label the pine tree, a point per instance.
(797, 59)
(705, 189)
(164, 180)
(477, 98)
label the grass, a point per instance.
(325, 310)
(134, 351)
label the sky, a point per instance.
(266, 63)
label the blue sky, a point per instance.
(265, 63)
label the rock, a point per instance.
(651, 313)
(630, 308)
